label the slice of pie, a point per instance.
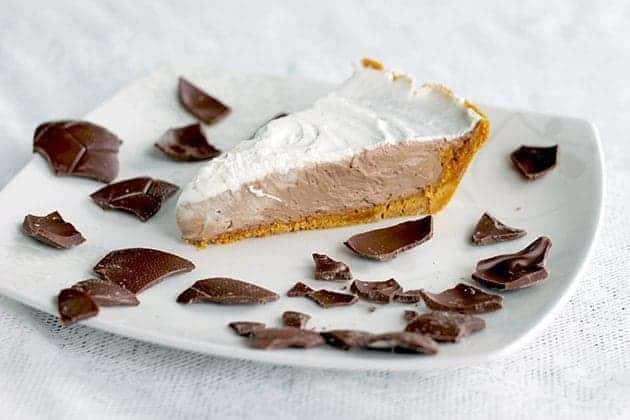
(378, 146)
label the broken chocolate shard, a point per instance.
(226, 291)
(199, 103)
(137, 269)
(142, 196)
(347, 339)
(490, 230)
(280, 338)
(385, 244)
(409, 315)
(75, 305)
(464, 299)
(445, 326)
(403, 342)
(328, 269)
(246, 328)
(299, 289)
(409, 296)
(295, 319)
(330, 299)
(106, 293)
(515, 271)
(534, 162)
(376, 291)
(52, 230)
(78, 148)
(186, 143)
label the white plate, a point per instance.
(564, 205)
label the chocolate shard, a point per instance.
(376, 291)
(403, 342)
(295, 319)
(534, 162)
(330, 299)
(515, 271)
(445, 326)
(75, 305)
(490, 230)
(52, 230)
(347, 339)
(186, 143)
(199, 103)
(409, 315)
(142, 196)
(385, 244)
(409, 296)
(299, 289)
(246, 328)
(137, 269)
(106, 293)
(78, 148)
(328, 269)
(464, 299)
(280, 338)
(226, 291)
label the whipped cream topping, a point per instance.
(371, 109)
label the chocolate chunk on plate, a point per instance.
(79, 148)
(137, 269)
(445, 326)
(376, 291)
(409, 315)
(52, 230)
(464, 299)
(347, 339)
(142, 196)
(409, 296)
(534, 162)
(226, 291)
(385, 244)
(328, 269)
(490, 230)
(106, 293)
(295, 319)
(330, 299)
(299, 289)
(199, 103)
(515, 271)
(403, 342)
(75, 305)
(280, 338)
(246, 328)
(186, 143)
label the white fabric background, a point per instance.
(62, 58)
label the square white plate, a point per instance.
(564, 205)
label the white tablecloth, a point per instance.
(62, 58)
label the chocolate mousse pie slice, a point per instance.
(380, 145)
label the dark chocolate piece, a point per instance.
(295, 319)
(376, 291)
(330, 298)
(534, 162)
(409, 296)
(226, 291)
(299, 289)
(75, 305)
(107, 293)
(515, 271)
(137, 269)
(347, 339)
(245, 328)
(186, 143)
(52, 230)
(464, 299)
(445, 326)
(328, 269)
(200, 104)
(403, 342)
(409, 315)
(141, 196)
(78, 148)
(385, 244)
(489, 231)
(280, 338)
